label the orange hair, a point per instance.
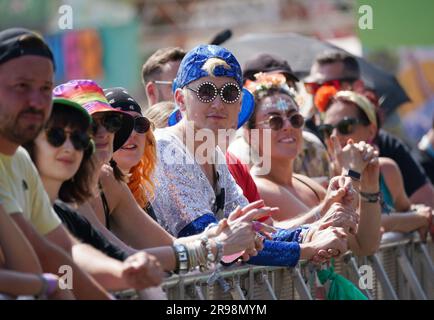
(140, 182)
(323, 97)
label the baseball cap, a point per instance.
(266, 62)
(119, 98)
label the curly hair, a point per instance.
(140, 182)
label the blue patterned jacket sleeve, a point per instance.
(278, 254)
(282, 251)
(198, 225)
(287, 235)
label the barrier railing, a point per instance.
(401, 269)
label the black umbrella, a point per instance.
(300, 51)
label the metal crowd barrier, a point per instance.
(401, 269)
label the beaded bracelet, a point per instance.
(219, 254)
(210, 258)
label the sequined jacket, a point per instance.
(184, 199)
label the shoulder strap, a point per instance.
(301, 179)
(105, 207)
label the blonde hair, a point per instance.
(140, 182)
(212, 63)
(159, 113)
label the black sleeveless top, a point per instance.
(106, 209)
(148, 209)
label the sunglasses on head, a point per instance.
(57, 137)
(208, 91)
(141, 124)
(111, 122)
(345, 127)
(276, 122)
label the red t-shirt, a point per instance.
(242, 177)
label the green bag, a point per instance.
(340, 287)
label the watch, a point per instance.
(354, 175)
(181, 258)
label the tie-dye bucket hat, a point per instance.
(91, 97)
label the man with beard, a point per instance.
(26, 83)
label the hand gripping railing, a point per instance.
(402, 268)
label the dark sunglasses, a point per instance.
(312, 87)
(111, 122)
(57, 137)
(276, 122)
(208, 91)
(345, 127)
(141, 124)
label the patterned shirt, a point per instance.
(182, 190)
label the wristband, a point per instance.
(354, 175)
(49, 285)
(371, 197)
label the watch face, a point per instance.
(183, 255)
(353, 174)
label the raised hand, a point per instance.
(340, 190)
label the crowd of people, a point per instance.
(220, 167)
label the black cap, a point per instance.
(17, 42)
(119, 98)
(265, 62)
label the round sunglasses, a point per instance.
(57, 136)
(111, 122)
(345, 127)
(141, 124)
(208, 91)
(276, 122)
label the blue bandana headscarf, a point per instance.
(191, 66)
(191, 70)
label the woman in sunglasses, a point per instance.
(300, 199)
(62, 153)
(351, 116)
(137, 157)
